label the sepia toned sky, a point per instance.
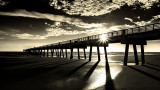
(29, 23)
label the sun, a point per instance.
(103, 38)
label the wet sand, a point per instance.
(23, 72)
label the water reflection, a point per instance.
(97, 76)
(103, 77)
(97, 79)
(115, 71)
(115, 67)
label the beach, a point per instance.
(20, 71)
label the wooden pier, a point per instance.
(132, 36)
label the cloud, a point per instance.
(3, 3)
(154, 19)
(51, 32)
(60, 31)
(58, 19)
(129, 19)
(89, 31)
(9, 31)
(54, 32)
(91, 25)
(85, 7)
(1, 38)
(96, 7)
(120, 27)
(3, 32)
(17, 34)
(32, 14)
(148, 3)
(143, 23)
(106, 30)
(29, 36)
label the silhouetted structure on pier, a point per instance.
(134, 36)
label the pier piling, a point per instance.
(71, 56)
(52, 52)
(135, 54)
(126, 54)
(98, 53)
(90, 53)
(106, 58)
(84, 53)
(62, 53)
(66, 53)
(78, 53)
(47, 52)
(44, 53)
(142, 54)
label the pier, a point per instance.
(132, 36)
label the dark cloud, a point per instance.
(31, 5)
(117, 16)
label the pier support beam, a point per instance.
(47, 52)
(135, 54)
(105, 51)
(78, 53)
(58, 52)
(71, 56)
(84, 53)
(44, 54)
(66, 53)
(142, 54)
(98, 53)
(126, 55)
(134, 42)
(52, 52)
(41, 52)
(62, 53)
(90, 53)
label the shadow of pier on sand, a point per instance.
(145, 73)
(153, 64)
(109, 82)
(25, 72)
(76, 69)
(84, 80)
(151, 67)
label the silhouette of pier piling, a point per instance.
(132, 36)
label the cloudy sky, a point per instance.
(29, 23)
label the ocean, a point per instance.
(118, 57)
(114, 56)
